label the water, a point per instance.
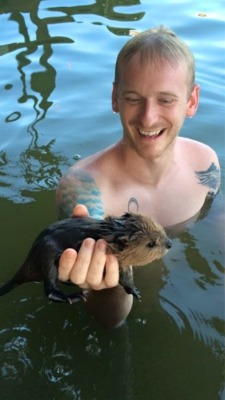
(57, 63)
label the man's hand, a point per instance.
(90, 267)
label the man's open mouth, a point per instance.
(151, 134)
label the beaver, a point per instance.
(135, 239)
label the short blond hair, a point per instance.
(159, 43)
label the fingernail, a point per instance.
(101, 245)
(89, 243)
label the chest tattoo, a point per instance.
(133, 205)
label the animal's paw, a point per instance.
(78, 296)
(134, 291)
(60, 297)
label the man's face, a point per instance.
(153, 101)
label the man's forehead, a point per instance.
(158, 62)
(134, 68)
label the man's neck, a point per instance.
(146, 171)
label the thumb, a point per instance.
(80, 211)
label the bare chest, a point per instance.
(168, 206)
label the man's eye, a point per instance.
(132, 100)
(165, 101)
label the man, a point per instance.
(151, 170)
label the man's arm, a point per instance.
(78, 187)
(91, 267)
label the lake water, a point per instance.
(57, 67)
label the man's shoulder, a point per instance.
(201, 159)
(195, 145)
(197, 151)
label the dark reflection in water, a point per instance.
(40, 165)
(107, 9)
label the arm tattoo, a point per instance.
(133, 204)
(80, 189)
(90, 195)
(210, 178)
(65, 199)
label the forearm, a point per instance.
(91, 268)
(109, 307)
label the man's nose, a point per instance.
(149, 113)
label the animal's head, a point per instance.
(137, 240)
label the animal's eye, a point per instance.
(151, 244)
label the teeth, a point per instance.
(151, 134)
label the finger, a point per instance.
(80, 211)
(111, 271)
(79, 271)
(66, 263)
(97, 266)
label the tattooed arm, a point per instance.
(78, 187)
(91, 268)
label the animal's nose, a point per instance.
(168, 244)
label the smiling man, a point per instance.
(150, 170)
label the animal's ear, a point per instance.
(134, 236)
(113, 223)
(122, 242)
(126, 215)
(121, 220)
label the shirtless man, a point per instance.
(150, 170)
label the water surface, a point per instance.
(57, 67)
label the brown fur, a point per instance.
(145, 241)
(133, 238)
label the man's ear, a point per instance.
(193, 101)
(114, 99)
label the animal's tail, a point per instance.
(7, 287)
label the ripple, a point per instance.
(205, 329)
(71, 392)
(93, 347)
(58, 367)
(9, 371)
(14, 359)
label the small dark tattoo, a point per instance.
(210, 178)
(133, 204)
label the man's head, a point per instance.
(157, 45)
(154, 91)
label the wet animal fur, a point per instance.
(135, 239)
